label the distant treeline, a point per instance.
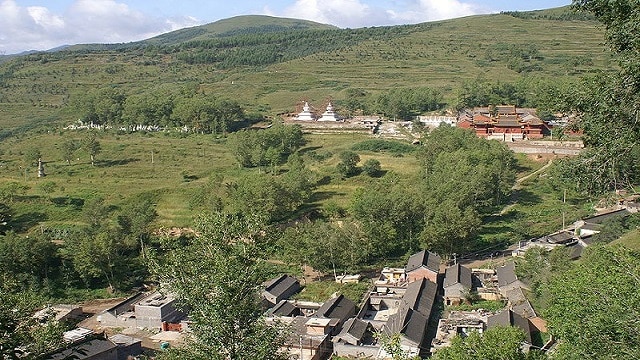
(171, 107)
(259, 49)
(547, 15)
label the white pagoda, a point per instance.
(306, 114)
(329, 115)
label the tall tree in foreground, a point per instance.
(216, 277)
(499, 343)
(21, 334)
(595, 306)
(609, 104)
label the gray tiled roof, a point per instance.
(506, 274)
(510, 318)
(280, 285)
(458, 274)
(425, 259)
(85, 350)
(355, 329)
(412, 317)
(284, 308)
(337, 308)
(599, 219)
(420, 296)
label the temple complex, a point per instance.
(329, 115)
(306, 114)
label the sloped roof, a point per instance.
(425, 259)
(508, 121)
(458, 274)
(482, 119)
(284, 308)
(510, 318)
(408, 322)
(506, 274)
(280, 285)
(519, 303)
(336, 308)
(560, 237)
(532, 120)
(420, 296)
(85, 350)
(506, 109)
(599, 219)
(412, 317)
(354, 331)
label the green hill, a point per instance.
(272, 70)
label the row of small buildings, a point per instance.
(503, 122)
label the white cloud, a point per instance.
(85, 21)
(356, 13)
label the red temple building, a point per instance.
(504, 122)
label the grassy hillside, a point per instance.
(305, 64)
(37, 93)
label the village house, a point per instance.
(411, 320)
(90, 346)
(356, 340)
(308, 338)
(507, 279)
(338, 310)
(460, 323)
(280, 288)
(510, 318)
(423, 265)
(144, 310)
(458, 284)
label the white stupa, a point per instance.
(306, 114)
(329, 115)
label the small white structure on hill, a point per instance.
(329, 115)
(306, 114)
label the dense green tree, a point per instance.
(404, 103)
(326, 246)
(27, 262)
(31, 156)
(450, 228)
(216, 277)
(348, 165)
(266, 147)
(372, 167)
(101, 256)
(601, 288)
(391, 215)
(206, 114)
(103, 106)
(135, 218)
(464, 178)
(68, 148)
(153, 107)
(499, 343)
(609, 105)
(21, 335)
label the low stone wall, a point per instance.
(546, 147)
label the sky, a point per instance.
(46, 24)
